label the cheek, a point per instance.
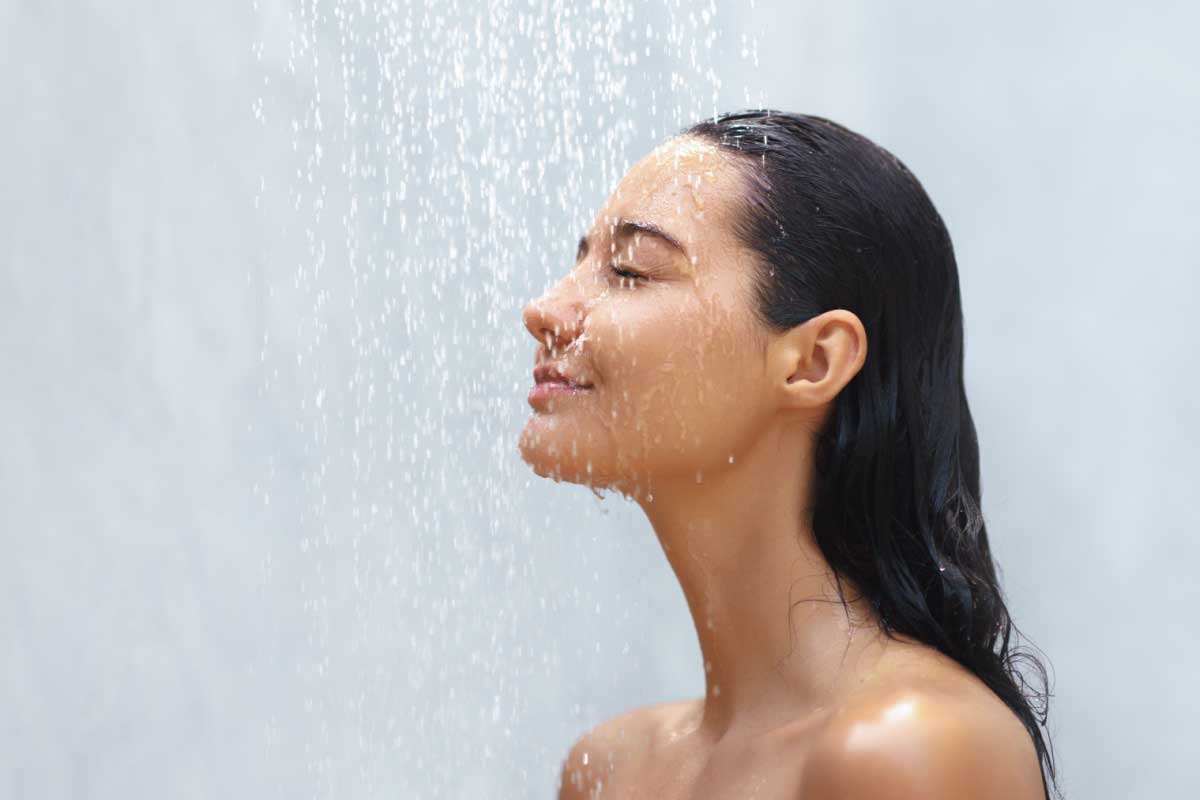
(678, 384)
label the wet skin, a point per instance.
(706, 418)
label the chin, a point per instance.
(549, 448)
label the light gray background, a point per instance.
(264, 529)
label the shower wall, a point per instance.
(265, 532)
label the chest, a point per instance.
(762, 770)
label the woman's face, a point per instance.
(674, 359)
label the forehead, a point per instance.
(683, 186)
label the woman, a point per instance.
(761, 344)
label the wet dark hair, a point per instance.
(839, 222)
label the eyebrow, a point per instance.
(628, 227)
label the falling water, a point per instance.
(264, 528)
(444, 159)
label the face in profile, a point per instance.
(655, 328)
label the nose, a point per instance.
(556, 318)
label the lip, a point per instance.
(549, 372)
(544, 391)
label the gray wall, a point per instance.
(265, 532)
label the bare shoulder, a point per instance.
(923, 739)
(620, 742)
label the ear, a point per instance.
(813, 361)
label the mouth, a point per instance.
(544, 391)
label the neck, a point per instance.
(741, 545)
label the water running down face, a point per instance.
(656, 317)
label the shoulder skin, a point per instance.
(916, 744)
(589, 763)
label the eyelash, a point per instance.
(626, 274)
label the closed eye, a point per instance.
(624, 273)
